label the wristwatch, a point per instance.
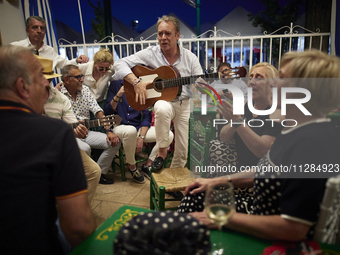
(142, 136)
(109, 130)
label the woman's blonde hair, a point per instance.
(311, 64)
(319, 73)
(272, 72)
(103, 55)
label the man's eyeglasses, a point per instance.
(78, 77)
(101, 69)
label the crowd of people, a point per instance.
(48, 191)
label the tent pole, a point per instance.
(333, 27)
(107, 17)
(108, 21)
(82, 27)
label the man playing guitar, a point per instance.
(167, 53)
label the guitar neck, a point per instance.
(176, 82)
(87, 123)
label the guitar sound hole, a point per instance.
(159, 85)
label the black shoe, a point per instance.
(157, 164)
(146, 171)
(104, 180)
(176, 194)
(136, 176)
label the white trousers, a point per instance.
(97, 140)
(128, 134)
(179, 113)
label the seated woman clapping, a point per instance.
(243, 145)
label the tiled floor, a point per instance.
(108, 198)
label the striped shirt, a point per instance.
(59, 107)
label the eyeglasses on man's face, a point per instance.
(78, 77)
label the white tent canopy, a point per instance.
(236, 23)
(186, 31)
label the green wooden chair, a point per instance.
(199, 139)
(121, 160)
(177, 179)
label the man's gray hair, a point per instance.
(13, 65)
(28, 21)
(66, 71)
(169, 19)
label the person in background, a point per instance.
(98, 73)
(133, 131)
(167, 53)
(225, 80)
(49, 173)
(58, 106)
(36, 30)
(243, 145)
(290, 202)
(83, 102)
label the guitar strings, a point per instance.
(175, 82)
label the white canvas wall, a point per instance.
(12, 23)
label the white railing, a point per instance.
(214, 46)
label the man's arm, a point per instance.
(123, 71)
(76, 219)
(139, 87)
(68, 116)
(140, 140)
(112, 91)
(100, 114)
(111, 138)
(257, 144)
(123, 66)
(60, 62)
(82, 59)
(69, 183)
(113, 96)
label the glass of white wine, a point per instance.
(220, 207)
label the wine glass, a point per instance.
(220, 207)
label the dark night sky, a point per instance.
(147, 12)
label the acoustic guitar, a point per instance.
(167, 83)
(110, 120)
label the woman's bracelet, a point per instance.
(118, 96)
